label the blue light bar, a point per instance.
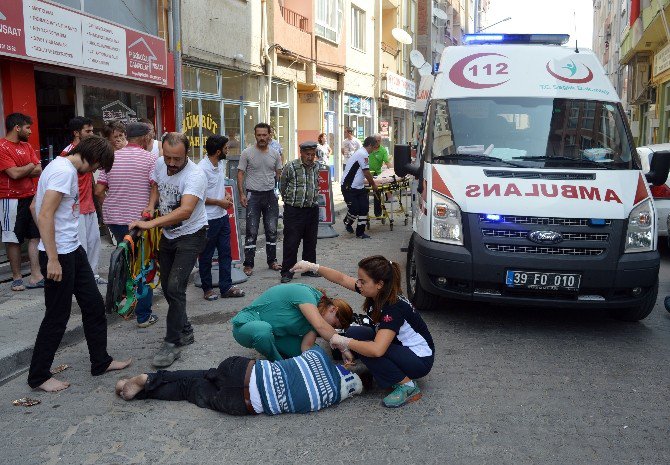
(597, 222)
(544, 39)
(493, 217)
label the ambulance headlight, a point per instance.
(446, 220)
(640, 233)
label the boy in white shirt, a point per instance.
(65, 266)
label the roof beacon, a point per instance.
(539, 39)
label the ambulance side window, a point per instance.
(441, 131)
(422, 152)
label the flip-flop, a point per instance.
(233, 291)
(17, 285)
(37, 285)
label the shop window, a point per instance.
(232, 83)
(328, 24)
(75, 4)
(189, 78)
(250, 120)
(279, 119)
(103, 105)
(191, 125)
(231, 128)
(208, 81)
(279, 92)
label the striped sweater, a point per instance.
(302, 384)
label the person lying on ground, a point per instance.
(285, 320)
(400, 348)
(243, 386)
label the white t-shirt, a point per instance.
(353, 171)
(216, 186)
(154, 149)
(349, 147)
(189, 181)
(61, 176)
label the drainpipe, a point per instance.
(175, 9)
(266, 56)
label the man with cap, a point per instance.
(242, 386)
(124, 192)
(299, 187)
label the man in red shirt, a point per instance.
(19, 166)
(89, 230)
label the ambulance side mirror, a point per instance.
(402, 161)
(658, 168)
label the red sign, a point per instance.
(325, 197)
(49, 33)
(232, 217)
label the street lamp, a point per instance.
(491, 25)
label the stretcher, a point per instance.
(392, 190)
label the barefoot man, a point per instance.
(65, 265)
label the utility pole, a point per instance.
(175, 6)
(476, 28)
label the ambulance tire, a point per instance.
(421, 298)
(640, 312)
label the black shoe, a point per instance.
(363, 236)
(310, 274)
(348, 227)
(186, 338)
(286, 279)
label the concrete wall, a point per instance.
(215, 32)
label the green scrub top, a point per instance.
(377, 158)
(279, 307)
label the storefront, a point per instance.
(56, 63)
(396, 110)
(220, 101)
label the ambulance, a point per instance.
(529, 190)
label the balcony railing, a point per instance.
(295, 19)
(390, 49)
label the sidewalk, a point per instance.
(21, 312)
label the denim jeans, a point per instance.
(78, 280)
(143, 306)
(177, 258)
(265, 203)
(218, 238)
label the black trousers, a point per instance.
(358, 205)
(78, 280)
(300, 224)
(220, 389)
(177, 258)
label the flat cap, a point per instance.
(310, 144)
(137, 129)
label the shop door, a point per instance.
(56, 105)
(105, 104)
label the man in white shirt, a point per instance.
(349, 146)
(217, 204)
(65, 265)
(178, 189)
(356, 171)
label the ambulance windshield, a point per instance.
(528, 132)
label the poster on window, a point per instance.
(354, 104)
(325, 200)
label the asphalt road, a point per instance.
(508, 386)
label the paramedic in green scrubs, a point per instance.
(285, 320)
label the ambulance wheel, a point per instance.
(640, 312)
(421, 298)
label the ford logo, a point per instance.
(545, 237)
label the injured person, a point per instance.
(243, 386)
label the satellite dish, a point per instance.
(440, 14)
(425, 70)
(416, 58)
(401, 36)
(439, 48)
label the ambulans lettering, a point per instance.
(567, 191)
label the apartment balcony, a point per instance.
(295, 19)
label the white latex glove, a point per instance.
(304, 266)
(340, 342)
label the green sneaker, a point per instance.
(401, 395)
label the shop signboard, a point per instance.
(396, 84)
(49, 33)
(662, 60)
(326, 205)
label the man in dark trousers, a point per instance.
(355, 195)
(299, 186)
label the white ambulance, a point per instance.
(529, 186)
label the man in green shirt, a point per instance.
(376, 160)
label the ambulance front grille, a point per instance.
(541, 221)
(523, 234)
(544, 250)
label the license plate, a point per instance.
(541, 280)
